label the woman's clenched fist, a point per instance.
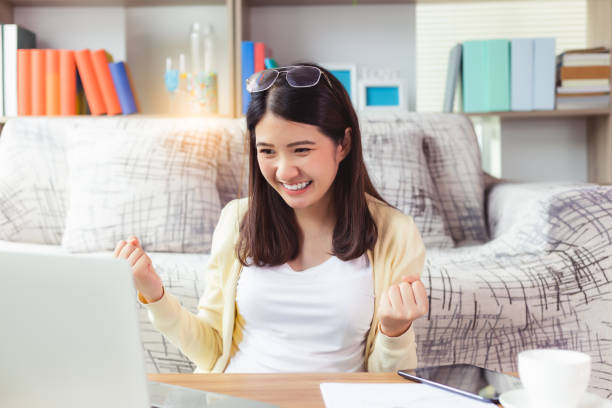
(147, 282)
(401, 305)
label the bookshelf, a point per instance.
(598, 121)
(599, 22)
(545, 114)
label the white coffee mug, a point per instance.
(554, 378)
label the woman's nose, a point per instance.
(286, 170)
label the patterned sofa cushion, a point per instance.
(233, 162)
(453, 157)
(394, 155)
(33, 187)
(156, 184)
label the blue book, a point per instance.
(123, 88)
(473, 77)
(486, 76)
(453, 73)
(498, 61)
(248, 68)
(521, 74)
(544, 74)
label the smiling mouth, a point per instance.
(298, 186)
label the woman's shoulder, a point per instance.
(228, 227)
(386, 216)
(396, 230)
(235, 208)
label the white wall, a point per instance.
(544, 149)
(76, 27)
(370, 36)
(154, 33)
(142, 36)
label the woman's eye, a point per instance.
(265, 151)
(302, 150)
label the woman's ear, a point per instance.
(345, 147)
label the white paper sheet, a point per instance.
(368, 395)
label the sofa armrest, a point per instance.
(550, 213)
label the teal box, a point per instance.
(486, 76)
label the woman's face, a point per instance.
(297, 160)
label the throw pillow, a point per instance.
(453, 157)
(394, 156)
(33, 189)
(158, 185)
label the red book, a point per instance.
(39, 91)
(260, 56)
(52, 82)
(24, 82)
(105, 81)
(67, 90)
(90, 82)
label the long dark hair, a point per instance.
(269, 232)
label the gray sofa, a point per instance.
(510, 266)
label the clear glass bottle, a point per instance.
(195, 41)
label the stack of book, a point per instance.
(60, 82)
(583, 79)
(67, 82)
(253, 55)
(503, 74)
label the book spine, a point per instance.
(9, 57)
(67, 72)
(39, 97)
(588, 72)
(580, 83)
(122, 85)
(248, 68)
(521, 74)
(474, 74)
(544, 70)
(130, 78)
(52, 82)
(90, 82)
(453, 74)
(105, 81)
(498, 84)
(260, 56)
(24, 82)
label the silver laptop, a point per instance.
(70, 334)
(69, 337)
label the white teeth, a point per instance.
(296, 186)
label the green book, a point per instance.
(486, 75)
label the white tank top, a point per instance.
(316, 320)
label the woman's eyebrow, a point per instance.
(309, 142)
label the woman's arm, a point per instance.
(199, 336)
(402, 300)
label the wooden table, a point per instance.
(284, 390)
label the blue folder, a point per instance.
(486, 76)
(544, 74)
(521, 71)
(248, 68)
(122, 86)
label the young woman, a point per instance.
(314, 271)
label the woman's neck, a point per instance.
(318, 219)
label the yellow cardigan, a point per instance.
(211, 337)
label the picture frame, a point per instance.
(379, 94)
(347, 75)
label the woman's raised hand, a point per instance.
(401, 305)
(146, 280)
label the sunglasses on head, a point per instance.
(297, 76)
